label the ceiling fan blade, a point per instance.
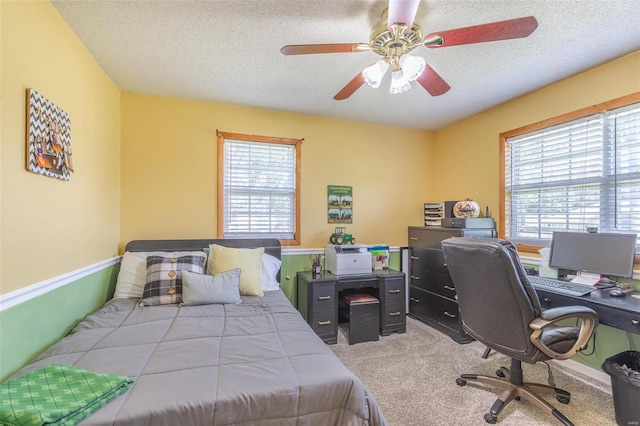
(494, 31)
(432, 82)
(350, 88)
(305, 49)
(402, 12)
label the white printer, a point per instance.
(348, 259)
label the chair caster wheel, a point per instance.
(563, 399)
(490, 418)
(461, 382)
(500, 373)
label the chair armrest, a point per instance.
(557, 314)
(588, 321)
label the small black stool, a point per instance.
(362, 313)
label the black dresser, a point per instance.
(432, 295)
(318, 299)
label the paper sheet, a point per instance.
(586, 278)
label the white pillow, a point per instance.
(269, 271)
(133, 270)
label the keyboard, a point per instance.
(562, 287)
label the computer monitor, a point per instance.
(596, 253)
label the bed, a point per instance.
(251, 363)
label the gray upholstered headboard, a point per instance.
(271, 246)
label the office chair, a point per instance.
(500, 309)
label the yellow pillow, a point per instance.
(248, 260)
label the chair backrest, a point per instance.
(496, 301)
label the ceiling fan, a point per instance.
(398, 35)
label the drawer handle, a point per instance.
(413, 299)
(444, 264)
(394, 314)
(414, 238)
(394, 291)
(415, 257)
(324, 297)
(324, 322)
(413, 277)
(449, 315)
(448, 287)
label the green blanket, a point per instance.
(57, 395)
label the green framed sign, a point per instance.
(339, 204)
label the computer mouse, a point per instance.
(616, 292)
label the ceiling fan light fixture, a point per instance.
(399, 82)
(412, 66)
(373, 74)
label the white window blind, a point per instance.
(577, 174)
(259, 190)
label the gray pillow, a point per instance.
(200, 289)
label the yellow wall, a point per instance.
(164, 153)
(169, 169)
(467, 152)
(48, 226)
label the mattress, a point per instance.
(254, 363)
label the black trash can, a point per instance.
(624, 369)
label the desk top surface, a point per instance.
(326, 275)
(630, 302)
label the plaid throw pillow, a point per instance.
(164, 279)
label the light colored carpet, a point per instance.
(412, 377)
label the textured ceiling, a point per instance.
(229, 52)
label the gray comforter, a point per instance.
(256, 363)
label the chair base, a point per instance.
(515, 388)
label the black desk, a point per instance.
(318, 299)
(619, 312)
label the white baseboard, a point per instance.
(288, 251)
(590, 372)
(27, 293)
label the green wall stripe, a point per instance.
(32, 326)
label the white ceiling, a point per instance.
(228, 51)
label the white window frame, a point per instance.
(292, 236)
(605, 216)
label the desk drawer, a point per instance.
(428, 259)
(444, 311)
(440, 313)
(325, 323)
(607, 315)
(393, 314)
(394, 292)
(355, 283)
(435, 283)
(434, 308)
(442, 285)
(430, 236)
(324, 297)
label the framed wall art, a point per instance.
(48, 138)
(339, 204)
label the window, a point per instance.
(258, 187)
(573, 172)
